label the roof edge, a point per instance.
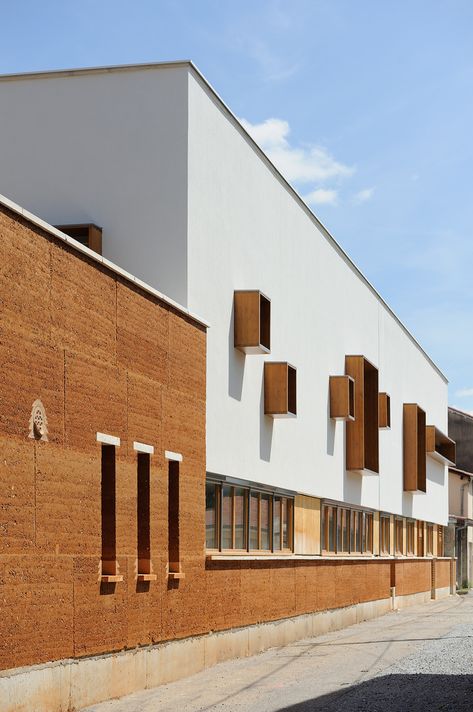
(38, 222)
(100, 69)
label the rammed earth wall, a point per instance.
(102, 356)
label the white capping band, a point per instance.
(169, 455)
(108, 439)
(142, 447)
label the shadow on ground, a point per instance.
(397, 693)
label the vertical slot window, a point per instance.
(143, 513)
(420, 539)
(359, 531)
(430, 539)
(286, 518)
(410, 538)
(227, 517)
(265, 505)
(239, 515)
(211, 538)
(398, 537)
(384, 533)
(108, 506)
(254, 521)
(440, 541)
(277, 506)
(367, 533)
(173, 517)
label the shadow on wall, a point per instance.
(266, 429)
(352, 484)
(236, 364)
(396, 693)
(331, 425)
(407, 502)
(435, 473)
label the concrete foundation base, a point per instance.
(73, 684)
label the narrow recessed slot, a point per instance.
(173, 517)
(108, 501)
(265, 322)
(143, 513)
(292, 390)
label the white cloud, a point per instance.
(363, 196)
(301, 164)
(464, 393)
(322, 196)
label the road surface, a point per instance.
(415, 660)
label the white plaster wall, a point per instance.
(246, 231)
(108, 148)
(198, 217)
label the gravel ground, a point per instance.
(419, 659)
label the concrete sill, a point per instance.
(109, 578)
(173, 575)
(146, 577)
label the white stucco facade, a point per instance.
(189, 204)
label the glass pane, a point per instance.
(285, 522)
(359, 528)
(324, 529)
(346, 526)
(240, 518)
(254, 521)
(277, 523)
(338, 514)
(331, 529)
(210, 516)
(368, 533)
(265, 530)
(227, 517)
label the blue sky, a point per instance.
(366, 106)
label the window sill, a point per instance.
(175, 575)
(146, 577)
(111, 578)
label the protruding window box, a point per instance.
(439, 446)
(415, 465)
(362, 434)
(87, 234)
(342, 398)
(252, 322)
(384, 402)
(280, 393)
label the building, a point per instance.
(459, 535)
(325, 460)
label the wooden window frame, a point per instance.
(429, 540)
(420, 539)
(398, 535)
(440, 540)
(410, 537)
(384, 535)
(251, 495)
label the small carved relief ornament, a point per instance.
(38, 422)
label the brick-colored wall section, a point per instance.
(104, 357)
(442, 573)
(412, 576)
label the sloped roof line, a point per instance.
(206, 85)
